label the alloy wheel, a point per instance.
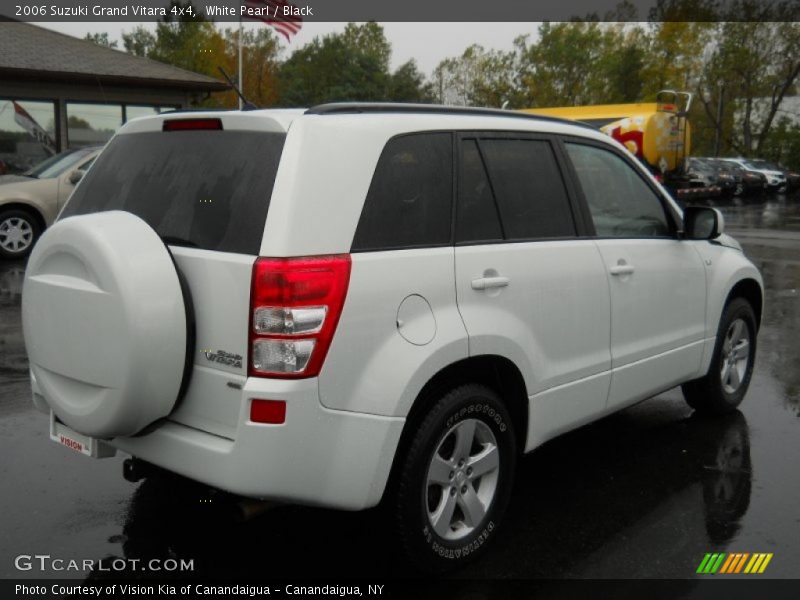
(16, 235)
(462, 477)
(735, 356)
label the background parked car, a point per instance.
(711, 174)
(746, 182)
(30, 202)
(792, 178)
(775, 175)
(792, 181)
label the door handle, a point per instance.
(485, 283)
(621, 269)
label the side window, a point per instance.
(410, 198)
(621, 203)
(476, 214)
(529, 189)
(87, 164)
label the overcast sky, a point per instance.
(428, 43)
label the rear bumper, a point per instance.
(321, 457)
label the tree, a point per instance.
(74, 122)
(187, 40)
(571, 63)
(751, 68)
(351, 65)
(139, 42)
(481, 77)
(260, 59)
(407, 84)
(101, 39)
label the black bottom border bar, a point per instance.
(439, 589)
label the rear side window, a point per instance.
(410, 198)
(203, 189)
(529, 189)
(476, 216)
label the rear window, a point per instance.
(410, 198)
(203, 189)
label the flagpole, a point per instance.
(239, 80)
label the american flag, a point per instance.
(286, 25)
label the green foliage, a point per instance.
(783, 144)
(101, 39)
(739, 67)
(750, 65)
(348, 66)
(74, 122)
(139, 42)
(407, 84)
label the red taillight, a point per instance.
(295, 304)
(268, 411)
(191, 124)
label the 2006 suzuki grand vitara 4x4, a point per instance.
(363, 302)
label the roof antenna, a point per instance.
(246, 104)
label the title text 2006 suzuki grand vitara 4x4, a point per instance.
(363, 302)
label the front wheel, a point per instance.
(724, 386)
(455, 478)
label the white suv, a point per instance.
(363, 303)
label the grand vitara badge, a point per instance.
(225, 358)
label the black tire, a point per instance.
(468, 406)
(23, 223)
(710, 394)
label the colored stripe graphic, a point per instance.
(765, 563)
(703, 563)
(734, 563)
(741, 562)
(717, 564)
(711, 562)
(732, 558)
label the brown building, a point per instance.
(59, 92)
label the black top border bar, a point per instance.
(411, 10)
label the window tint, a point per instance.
(410, 199)
(530, 191)
(207, 189)
(476, 217)
(621, 203)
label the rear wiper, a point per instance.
(178, 241)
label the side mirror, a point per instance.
(76, 176)
(702, 223)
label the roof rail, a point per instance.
(338, 108)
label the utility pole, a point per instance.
(239, 80)
(718, 132)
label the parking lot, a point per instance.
(644, 493)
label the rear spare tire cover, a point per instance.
(105, 323)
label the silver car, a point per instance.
(29, 202)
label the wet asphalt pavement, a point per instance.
(644, 493)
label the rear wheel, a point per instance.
(724, 386)
(19, 230)
(454, 478)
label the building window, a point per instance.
(27, 134)
(133, 111)
(92, 124)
